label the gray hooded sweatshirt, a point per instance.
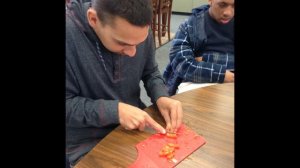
(97, 80)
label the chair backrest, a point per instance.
(162, 10)
(165, 5)
(155, 5)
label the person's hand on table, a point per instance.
(229, 76)
(171, 110)
(131, 117)
(198, 59)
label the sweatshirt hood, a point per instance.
(200, 9)
(77, 10)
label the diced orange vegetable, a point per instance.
(173, 145)
(170, 156)
(168, 150)
(171, 135)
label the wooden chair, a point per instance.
(164, 19)
(155, 4)
(162, 11)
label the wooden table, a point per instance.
(209, 111)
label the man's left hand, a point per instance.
(171, 110)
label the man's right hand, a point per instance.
(131, 117)
(229, 77)
(198, 59)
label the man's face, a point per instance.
(120, 36)
(221, 10)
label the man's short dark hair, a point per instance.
(136, 12)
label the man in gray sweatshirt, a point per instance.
(109, 50)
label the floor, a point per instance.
(162, 53)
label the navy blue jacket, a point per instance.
(189, 42)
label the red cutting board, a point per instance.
(148, 150)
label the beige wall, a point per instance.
(186, 5)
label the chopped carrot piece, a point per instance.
(168, 150)
(173, 145)
(171, 135)
(170, 156)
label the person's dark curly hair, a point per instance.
(136, 12)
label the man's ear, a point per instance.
(92, 17)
